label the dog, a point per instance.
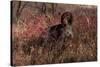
(62, 30)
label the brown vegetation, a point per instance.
(30, 22)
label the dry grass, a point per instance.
(29, 47)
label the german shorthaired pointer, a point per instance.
(62, 30)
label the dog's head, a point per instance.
(66, 18)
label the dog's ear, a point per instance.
(70, 20)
